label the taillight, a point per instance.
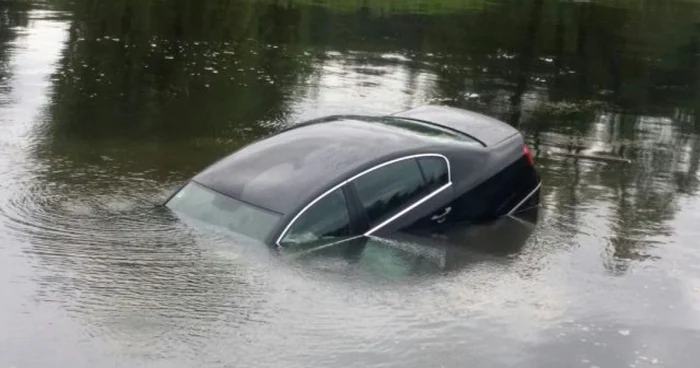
(528, 155)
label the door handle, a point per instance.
(441, 217)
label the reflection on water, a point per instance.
(419, 255)
(105, 106)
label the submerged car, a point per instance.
(347, 176)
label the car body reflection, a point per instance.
(412, 254)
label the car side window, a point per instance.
(326, 219)
(435, 171)
(390, 188)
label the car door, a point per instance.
(413, 192)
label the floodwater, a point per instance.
(105, 106)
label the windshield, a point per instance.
(201, 203)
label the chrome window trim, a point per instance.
(525, 199)
(379, 166)
(408, 209)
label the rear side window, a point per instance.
(390, 188)
(435, 171)
(326, 219)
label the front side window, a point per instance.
(389, 189)
(326, 219)
(203, 204)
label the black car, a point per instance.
(347, 176)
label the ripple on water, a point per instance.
(110, 257)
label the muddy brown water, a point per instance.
(105, 106)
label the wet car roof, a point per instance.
(285, 170)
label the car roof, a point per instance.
(286, 170)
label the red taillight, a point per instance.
(528, 155)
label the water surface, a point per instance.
(105, 106)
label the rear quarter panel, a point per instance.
(490, 186)
(471, 168)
